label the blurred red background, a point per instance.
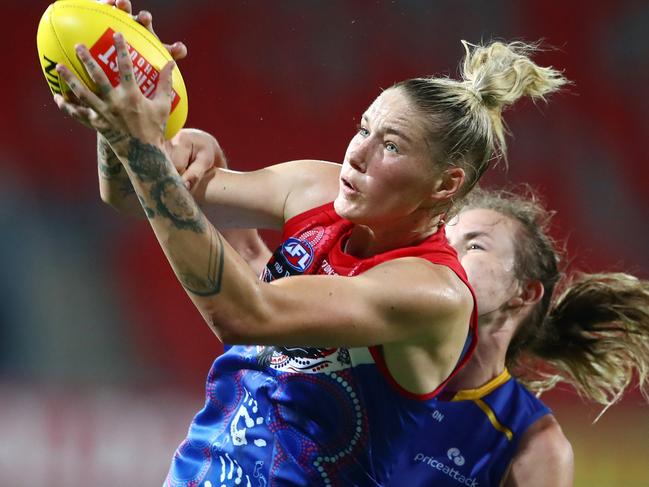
(93, 324)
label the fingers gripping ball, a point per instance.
(67, 23)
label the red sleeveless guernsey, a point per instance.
(281, 416)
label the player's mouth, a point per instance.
(348, 187)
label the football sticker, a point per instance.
(146, 76)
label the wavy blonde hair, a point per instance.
(466, 124)
(588, 330)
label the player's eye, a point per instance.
(391, 147)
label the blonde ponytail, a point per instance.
(596, 335)
(499, 74)
(502, 73)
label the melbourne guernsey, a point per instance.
(298, 416)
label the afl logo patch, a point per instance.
(297, 253)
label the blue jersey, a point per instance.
(471, 439)
(300, 416)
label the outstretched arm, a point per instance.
(544, 457)
(114, 186)
(193, 153)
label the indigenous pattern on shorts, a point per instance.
(280, 416)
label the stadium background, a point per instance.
(102, 356)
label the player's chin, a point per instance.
(354, 211)
(343, 206)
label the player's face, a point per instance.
(387, 172)
(485, 243)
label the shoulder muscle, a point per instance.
(544, 457)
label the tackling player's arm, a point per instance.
(544, 457)
(249, 245)
(268, 197)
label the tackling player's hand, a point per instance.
(193, 153)
(178, 50)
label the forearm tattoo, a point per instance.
(147, 161)
(173, 202)
(167, 190)
(113, 136)
(210, 283)
(109, 165)
(125, 187)
(147, 211)
(177, 206)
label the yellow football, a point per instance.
(66, 23)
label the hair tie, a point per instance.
(471, 88)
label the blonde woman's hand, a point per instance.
(119, 113)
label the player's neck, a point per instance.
(488, 360)
(365, 241)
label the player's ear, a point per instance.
(448, 183)
(529, 293)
